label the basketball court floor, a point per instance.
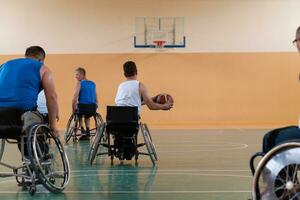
(193, 164)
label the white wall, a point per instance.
(107, 26)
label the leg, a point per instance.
(80, 125)
(87, 124)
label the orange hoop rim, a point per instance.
(159, 43)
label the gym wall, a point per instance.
(239, 68)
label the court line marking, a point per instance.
(242, 146)
(151, 173)
(164, 170)
(223, 148)
(155, 170)
(134, 192)
(155, 173)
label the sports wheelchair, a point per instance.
(73, 129)
(276, 176)
(42, 162)
(119, 136)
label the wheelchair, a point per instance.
(42, 162)
(276, 176)
(73, 129)
(118, 137)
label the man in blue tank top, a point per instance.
(20, 82)
(84, 100)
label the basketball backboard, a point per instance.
(151, 31)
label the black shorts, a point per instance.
(10, 123)
(86, 110)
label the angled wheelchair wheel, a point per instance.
(98, 122)
(72, 128)
(50, 161)
(2, 146)
(99, 119)
(152, 144)
(97, 143)
(277, 175)
(149, 144)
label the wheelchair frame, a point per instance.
(73, 127)
(36, 169)
(277, 173)
(103, 139)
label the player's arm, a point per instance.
(51, 97)
(149, 101)
(75, 96)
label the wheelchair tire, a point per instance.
(152, 144)
(96, 143)
(98, 123)
(2, 146)
(49, 161)
(276, 176)
(72, 127)
(149, 144)
(99, 119)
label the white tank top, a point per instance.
(129, 94)
(41, 103)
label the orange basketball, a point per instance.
(162, 98)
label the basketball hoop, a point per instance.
(159, 43)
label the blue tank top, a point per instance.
(20, 83)
(87, 93)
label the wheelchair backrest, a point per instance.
(280, 135)
(122, 114)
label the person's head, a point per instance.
(35, 52)
(80, 73)
(296, 42)
(130, 69)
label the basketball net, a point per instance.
(159, 44)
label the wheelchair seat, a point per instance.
(73, 129)
(122, 120)
(38, 154)
(120, 134)
(87, 110)
(122, 123)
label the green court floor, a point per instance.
(193, 164)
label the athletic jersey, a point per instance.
(20, 83)
(87, 93)
(128, 94)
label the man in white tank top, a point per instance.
(134, 93)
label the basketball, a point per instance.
(162, 98)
